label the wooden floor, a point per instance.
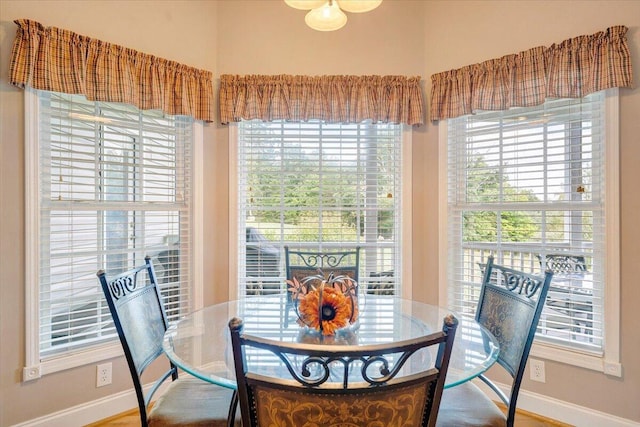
(523, 419)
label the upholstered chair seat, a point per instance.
(466, 405)
(192, 402)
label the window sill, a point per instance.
(576, 358)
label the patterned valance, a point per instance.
(62, 61)
(347, 99)
(572, 69)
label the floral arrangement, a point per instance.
(327, 307)
(344, 336)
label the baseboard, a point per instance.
(90, 412)
(106, 407)
(559, 410)
(87, 413)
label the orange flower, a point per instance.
(334, 313)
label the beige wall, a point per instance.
(183, 31)
(465, 32)
(266, 37)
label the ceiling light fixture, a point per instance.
(328, 15)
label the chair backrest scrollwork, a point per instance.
(301, 264)
(509, 306)
(320, 381)
(563, 263)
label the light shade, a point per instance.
(326, 18)
(358, 6)
(305, 4)
(327, 15)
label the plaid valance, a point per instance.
(347, 99)
(62, 61)
(572, 69)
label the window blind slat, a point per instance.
(319, 186)
(526, 185)
(115, 186)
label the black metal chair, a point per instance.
(139, 317)
(563, 312)
(378, 285)
(509, 307)
(367, 387)
(563, 263)
(302, 264)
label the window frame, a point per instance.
(405, 220)
(609, 361)
(34, 366)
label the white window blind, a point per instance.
(318, 186)
(527, 185)
(114, 186)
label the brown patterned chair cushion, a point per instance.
(289, 409)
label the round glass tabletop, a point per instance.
(200, 343)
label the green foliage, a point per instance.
(488, 185)
(303, 195)
(339, 196)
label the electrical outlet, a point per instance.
(537, 370)
(103, 374)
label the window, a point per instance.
(109, 185)
(319, 186)
(536, 187)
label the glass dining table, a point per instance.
(200, 344)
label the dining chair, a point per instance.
(381, 283)
(139, 316)
(563, 311)
(301, 264)
(509, 306)
(563, 263)
(341, 385)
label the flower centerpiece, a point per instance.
(326, 306)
